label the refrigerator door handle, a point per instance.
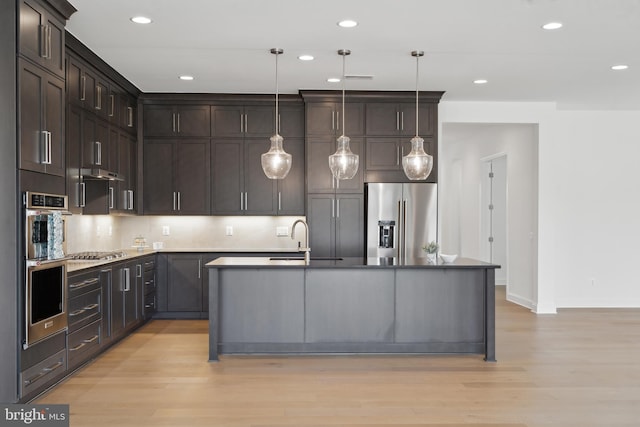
(404, 229)
(399, 236)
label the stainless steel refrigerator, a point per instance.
(401, 218)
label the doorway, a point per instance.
(493, 217)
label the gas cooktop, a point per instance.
(97, 256)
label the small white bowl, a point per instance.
(448, 258)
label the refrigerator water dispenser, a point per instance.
(385, 233)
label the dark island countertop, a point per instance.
(347, 262)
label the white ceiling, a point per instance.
(225, 45)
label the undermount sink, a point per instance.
(277, 258)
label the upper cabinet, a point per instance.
(326, 118)
(243, 121)
(174, 121)
(391, 119)
(41, 36)
(42, 105)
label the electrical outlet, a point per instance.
(229, 230)
(282, 231)
(165, 230)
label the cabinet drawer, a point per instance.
(84, 309)
(82, 283)
(149, 284)
(83, 343)
(149, 305)
(149, 265)
(44, 372)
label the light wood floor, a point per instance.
(579, 368)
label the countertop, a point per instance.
(283, 262)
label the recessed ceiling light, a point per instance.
(305, 58)
(552, 26)
(347, 23)
(333, 80)
(480, 81)
(141, 20)
(619, 67)
(185, 77)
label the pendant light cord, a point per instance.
(417, 76)
(276, 124)
(344, 83)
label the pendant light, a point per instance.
(276, 163)
(343, 163)
(417, 164)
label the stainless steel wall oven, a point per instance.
(45, 306)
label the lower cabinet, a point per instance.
(181, 289)
(85, 310)
(336, 227)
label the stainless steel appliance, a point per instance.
(401, 218)
(45, 276)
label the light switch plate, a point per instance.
(282, 231)
(229, 230)
(165, 230)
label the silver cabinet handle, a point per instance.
(401, 151)
(246, 200)
(43, 38)
(130, 205)
(84, 283)
(83, 195)
(90, 340)
(337, 120)
(173, 122)
(98, 158)
(43, 372)
(199, 269)
(127, 279)
(241, 123)
(333, 208)
(397, 155)
(241, 201)
(98, 105)
(402, 120)
(174, 200)
(49, 147)
(178, 122)
(338, 208)
(112, 103)
(78, 347)
(46, 148)
(279, 200)
(279, 125)
(76, 312)
(111, 198)
(91, 306)
(333, 120)
(130, 117)
(138, 270)
(179, 208)
(48, 42)
(246, 123)
(397, 120)
(83, 85)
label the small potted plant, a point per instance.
(432, 250)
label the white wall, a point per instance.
(588, 200)
(466, 145)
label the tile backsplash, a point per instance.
(105, 232)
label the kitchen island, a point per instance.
(260, 305)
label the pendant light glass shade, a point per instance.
(417, 165)
(276, 163)
(343, 163)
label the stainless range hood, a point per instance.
(101, 174)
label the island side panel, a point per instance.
(442, 307)
(349, 306)
(261, 306)
(213, 313)
(490, 318)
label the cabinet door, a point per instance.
(159, 120)
(383, 119)
(41, 37)
(259, 121)
(113, 104)
(73, 160)
(383, 154)
(228, 176)
(227, 121)
(101, 107)
(355, 184)
(54, 123)
(74, 80)
(117, 300)
(158, 177)
(320, 119)
(291, 189)
(354, 119)
(349, 220)
(88, 81)
(193, 120)
(291, 121)
(192, 179)
(127, 112)
(89, 147)
(101, 156)
(319, 178)
(126, 170)
(321, 220)
(260, 191)
(184, 283)
(426, 119)
(130, 276)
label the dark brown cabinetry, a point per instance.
(389, 119)
(336, 224)
(41, 97)
(384, 158)
(149, 300)
(242, 121)
(183, 120)
(85, 310)
(41, 36)
(326, 118)
(176, 176)
(319, 176)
